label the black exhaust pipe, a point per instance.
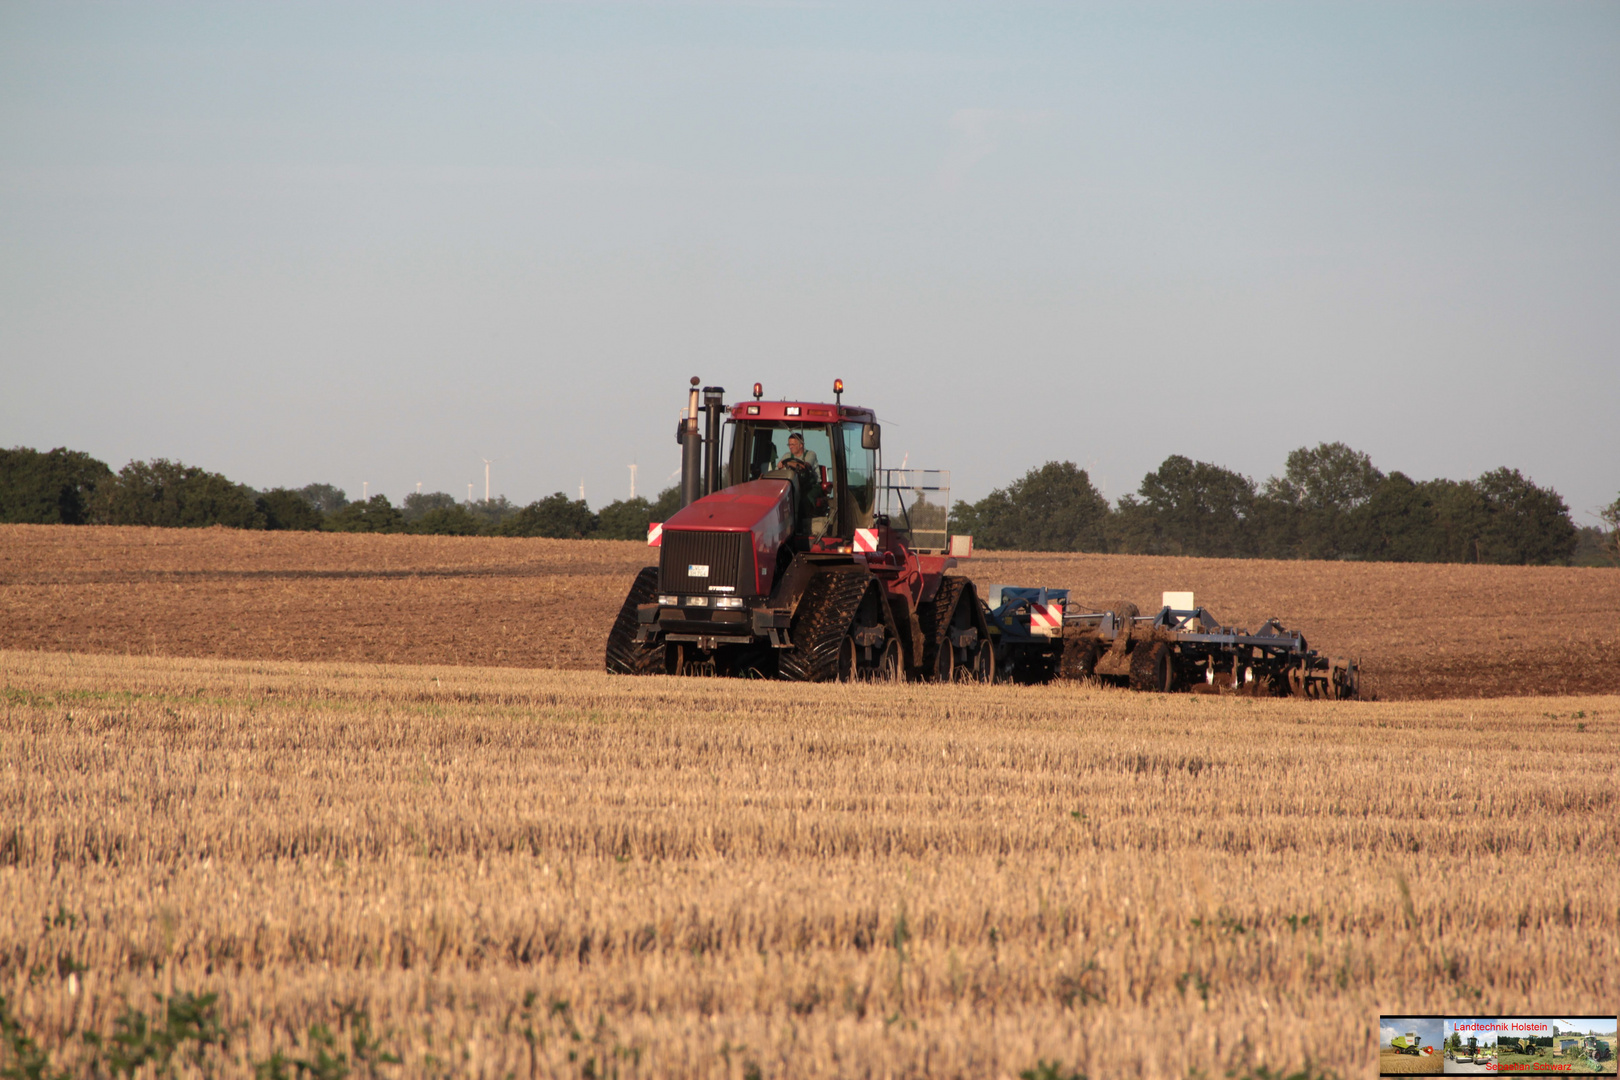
(714, 408)
(691, 450)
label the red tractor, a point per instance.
(795, 556)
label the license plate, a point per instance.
(697, 570)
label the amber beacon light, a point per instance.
(838, 390)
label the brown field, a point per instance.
(1422, 631)
(734, 879)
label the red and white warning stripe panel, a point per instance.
(1046, 619)
(655, 534)
(866, 540)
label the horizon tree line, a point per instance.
(1330, 502)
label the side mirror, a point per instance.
(871, 437)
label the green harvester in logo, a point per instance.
(1406, 1044)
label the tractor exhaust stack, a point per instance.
(714, 409)
(691, 450)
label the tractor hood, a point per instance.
(739, 508)
(761, 508)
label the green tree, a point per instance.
(1611, 517)
(1311, 511)
(324, 497)
(452, 520)
(624, 519)
(417, 504)
(667, 503)
(375, 515)
(491, 512)
(1458, 517)
(1523, 523)
(175, 495)
(54, 488)
(1188, 507)
(1591, 547)
(1398, 522)
(555, 516)
(283, 509)
(1050, 508)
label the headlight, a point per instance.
(669, 601)
(728, 601)
(697, 601)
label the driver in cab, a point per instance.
(797, 453)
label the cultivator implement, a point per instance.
(1041, 634)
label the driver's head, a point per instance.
(796, 445)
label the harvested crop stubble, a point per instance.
(1391, 1063)
(810, 881)
(1422, 631)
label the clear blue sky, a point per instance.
(377, 243)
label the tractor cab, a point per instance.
(828, 453)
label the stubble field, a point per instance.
(1391, 1063)
(328, 779)
(1422, 631)
(733, 879)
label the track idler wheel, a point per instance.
(984, 662)
(890, 666)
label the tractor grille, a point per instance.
(726, 555)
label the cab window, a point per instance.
(760, 446)
(860, 477)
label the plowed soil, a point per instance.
(1421, 631)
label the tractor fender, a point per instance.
(792, 582)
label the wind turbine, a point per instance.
(487, 463)
(632, 480)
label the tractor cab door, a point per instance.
(858, 491)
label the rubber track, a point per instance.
(624, 655)
(821, 623)
(936, 629)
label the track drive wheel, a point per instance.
(1150, 667)
(625, 655)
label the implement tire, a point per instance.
(1079, 658)
(1150, 667)
(625, 655)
